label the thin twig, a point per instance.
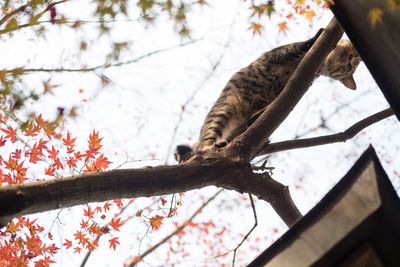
(328, 139)
(89, 253)
(12, 13)
(326, 118)
(177, 230)
(249, 232)
(21, 9)
(105, 66)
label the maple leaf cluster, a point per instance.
(35, 148)
(291, 11)
(22, 243)
(94, 224)
(36, 142)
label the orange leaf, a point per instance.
(101, 163)
(94, 141)
(282, 27)
(88, 212)
(256, 27)
(310, 14)
(69, 143)
(156, 221)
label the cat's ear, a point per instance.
(349, 82)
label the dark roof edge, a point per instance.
(326, 202)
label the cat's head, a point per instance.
(341, 63)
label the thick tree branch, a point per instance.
(328, 139)
(250, 142)
(152, 181)
(75, 190)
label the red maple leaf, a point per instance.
(94, 142)
(101, 163)
(88, 212)
(44, 262)
(116, 223)
(118, 202)
(49, 171)
(69, 143)
(107, 206)
(52, 153)
(163, 201)
(71, 162)
(77, 250)
(114, 242)
(11, 134)
(2, 141)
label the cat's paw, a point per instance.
(183, 153)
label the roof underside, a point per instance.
(378, 46)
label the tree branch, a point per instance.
(12, 13)
(75, 190)
(103, 66)
(21, 9)
(328, 139)
(248, 144)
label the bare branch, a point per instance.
(104, 66)
(249, 232)
(250, 142)
(328, 139)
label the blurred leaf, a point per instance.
(309, 14)
(256, 27)
(394, 4)
(17, 72)
(11, 25)
(375, 16)
(283, 27)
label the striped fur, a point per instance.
(250, 90)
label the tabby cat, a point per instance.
(250, 90)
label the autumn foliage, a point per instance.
(36, 150)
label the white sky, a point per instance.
(138, 112)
